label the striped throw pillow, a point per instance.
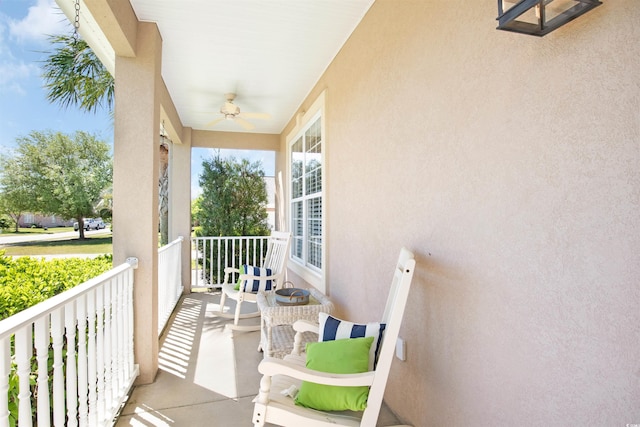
(332, 328)
(253, 285)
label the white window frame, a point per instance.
(311, 274)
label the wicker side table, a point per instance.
(276, 332)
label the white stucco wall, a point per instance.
(511, 166)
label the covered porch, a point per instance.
(70, 359)
(507, 163)
(207, 373)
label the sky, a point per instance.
(24, 27)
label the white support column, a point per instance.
(135, 185)
(180, 202)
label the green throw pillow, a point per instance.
(237, 287)
(346, 356)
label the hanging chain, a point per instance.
(76, 24)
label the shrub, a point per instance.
(26, 281)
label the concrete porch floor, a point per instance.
(207, 374)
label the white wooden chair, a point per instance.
(276, 260)
(271, 406)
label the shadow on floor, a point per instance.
(207, 374)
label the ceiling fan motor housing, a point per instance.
(230, 110)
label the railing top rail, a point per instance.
(11, 324)
(228, 237)
(171, 244)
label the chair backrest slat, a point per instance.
(393, 313)
(277, 254)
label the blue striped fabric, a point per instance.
(254, 284)
(332, 328)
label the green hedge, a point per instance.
(26, 281)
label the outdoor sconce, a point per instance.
(540, 17)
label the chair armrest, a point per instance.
(303, 325)
(227, 272)
(300, 326)
(271, 366)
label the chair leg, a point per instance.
(261, 401)
(223, 299)
(236, 319)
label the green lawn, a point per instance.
(21, 231)
(100, 244)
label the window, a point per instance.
(306, 195)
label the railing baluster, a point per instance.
(5, 365)
(41, 342)
(195, 254)
(130, 348)
(210, 263)
(220, 266)
(233, 253)
(201, 260)
(100, 350)
(92, 375)
(120, 335)
(24, 347)
(57, 331)
(71, 370)
(107, 348)
(115, 337)
(254, 250)
(243, 247)
(83, 388)
(115, 371)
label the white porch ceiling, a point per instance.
(269, 52)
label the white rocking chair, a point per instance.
(271, 406)
(275, 260)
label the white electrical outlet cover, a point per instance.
(401, 349)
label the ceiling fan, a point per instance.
(231, 111)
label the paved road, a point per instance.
(14, 238)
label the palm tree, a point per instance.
(74, 76)
(104, 208)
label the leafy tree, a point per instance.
(17, 194)
(234, 198)
(4, 222)
(195, 214)
(62, 175)
(233, 203)
(74, 76)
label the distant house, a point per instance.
(30, 219)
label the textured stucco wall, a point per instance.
(511, 166)
(135, 186)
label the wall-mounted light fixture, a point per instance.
(540, 17)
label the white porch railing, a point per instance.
(212, 254)
(86, 335)
(169, 280)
